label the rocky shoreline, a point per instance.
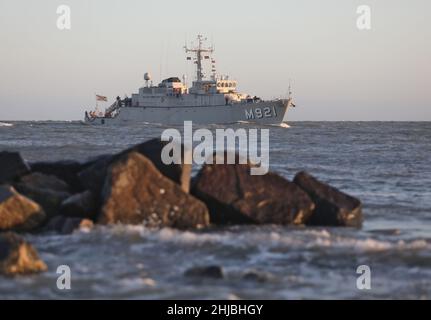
(135, 187)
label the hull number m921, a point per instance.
(258, 113)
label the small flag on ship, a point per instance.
(101, 98)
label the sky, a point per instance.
(338, 72)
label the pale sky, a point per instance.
(338, 72)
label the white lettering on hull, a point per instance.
(259, 113)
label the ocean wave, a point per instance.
(271, 237)
(5, 124)
(282, 125)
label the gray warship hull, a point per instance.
(263, 112)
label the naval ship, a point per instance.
(213, 100)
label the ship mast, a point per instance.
(199, 50)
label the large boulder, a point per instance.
(93, 177)
(179, 173)
(135, 192)
(37, 180)
(46, 190)
(333, 207)
(80, 205)
(17, 257)
(66, 170)
(234, 196)
(12, 166)
(18, 212)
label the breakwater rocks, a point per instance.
(18, 257)
(136, 187)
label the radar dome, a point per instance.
(147, 76)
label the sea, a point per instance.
(387, 165)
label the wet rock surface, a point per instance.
(50, 200)
(81, 205)
(179, 173)
(136, 192)
(12, 166)
(17, 257)
(333, 207)
(66, 170)
(93, 177)
(18, 212)
(39, 180)
(234, 196)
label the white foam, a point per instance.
(270, 238)
(283, 125)
(137, 283)
(5, 124)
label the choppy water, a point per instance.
(386, 164)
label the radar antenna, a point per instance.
(199, 50)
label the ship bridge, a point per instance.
(224, 85)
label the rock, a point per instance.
(333, 207)
(257, 276)
(135, 192)
(179, 173)
(66, 170)
(93, 177)
(67, 225)
(18, 212)
(233, 196)
(215, 272)
(12, 166)
(86, 224)
(50, 200)
(81, 205)
(39, 180)
(17, 257)
(72, 224)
